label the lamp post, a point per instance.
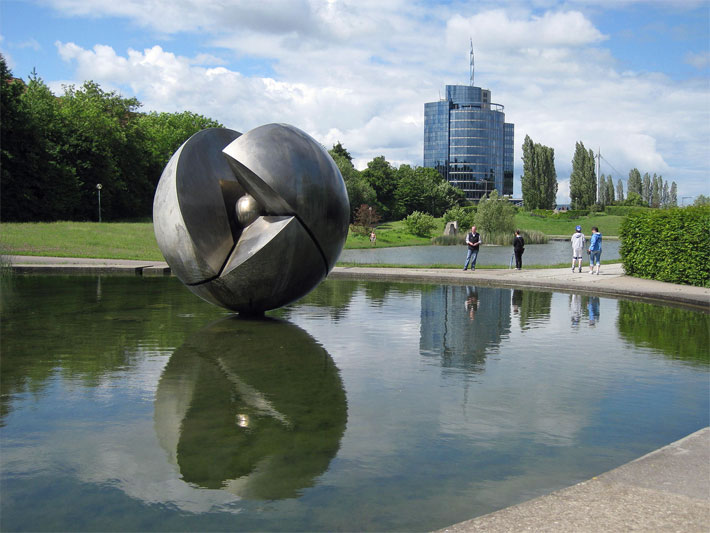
(98, 188)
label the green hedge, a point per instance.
(668, 245)
(623, 210)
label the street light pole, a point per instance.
(98, 188)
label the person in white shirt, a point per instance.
(578, 242)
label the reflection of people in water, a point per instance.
(593, 308)
(471, 302)
(517, 300)
(575, 307)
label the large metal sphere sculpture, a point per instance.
(251, 222)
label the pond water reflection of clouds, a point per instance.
(364, 406)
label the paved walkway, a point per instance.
(667, 490)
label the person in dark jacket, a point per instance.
(473, 240)
(518, 249)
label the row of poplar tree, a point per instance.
(539, 182)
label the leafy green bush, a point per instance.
(420, 224)
(668, 245)
(623, 210)
(495, 214)
(465, 217)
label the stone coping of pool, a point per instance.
(666, 490)
(610, 282)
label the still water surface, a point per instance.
(552, 253)
(130, 405)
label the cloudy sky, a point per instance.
(630, 78)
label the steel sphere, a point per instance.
(251, 222)
(248, 210)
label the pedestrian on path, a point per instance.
(595, 250)
(518, 249)
(473, 240)
(578, 241)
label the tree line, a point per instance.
(394, 192)
(57, 149)
(539, 182)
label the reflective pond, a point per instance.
(552, 253)
(130, 405)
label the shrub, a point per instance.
(623, 210)
(420, 224)
(668, 245)
(465, 217)
(495, 214)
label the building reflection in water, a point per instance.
(460, 325)
(254, 407)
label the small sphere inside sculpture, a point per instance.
(248, 210)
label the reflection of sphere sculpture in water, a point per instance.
(251, 222)
(255, 407)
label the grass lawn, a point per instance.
(108, 240)
(392, 234)
(608, 224)
(135, 240)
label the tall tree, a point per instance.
(548, 175)
(583, 181)
(666, 195)
(656, 190)
(529, 180)
(383, 179)
(539, 179)
(359, 190)
(634, 183)
(673, 200)
(339, 149)
(609, 190)
(619, 190)
(646, 189)
(601, 192)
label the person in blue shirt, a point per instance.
(595, 250)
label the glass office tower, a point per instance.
(468, 141)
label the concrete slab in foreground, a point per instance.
(666, 490)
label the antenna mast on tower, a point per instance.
(471, 62)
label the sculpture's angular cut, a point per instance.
(251, 222)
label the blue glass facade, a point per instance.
(468, 141)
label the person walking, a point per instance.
(518, 249)
(473, 240)
(578, 242)
(595, 250)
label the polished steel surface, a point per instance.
(251, 222)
